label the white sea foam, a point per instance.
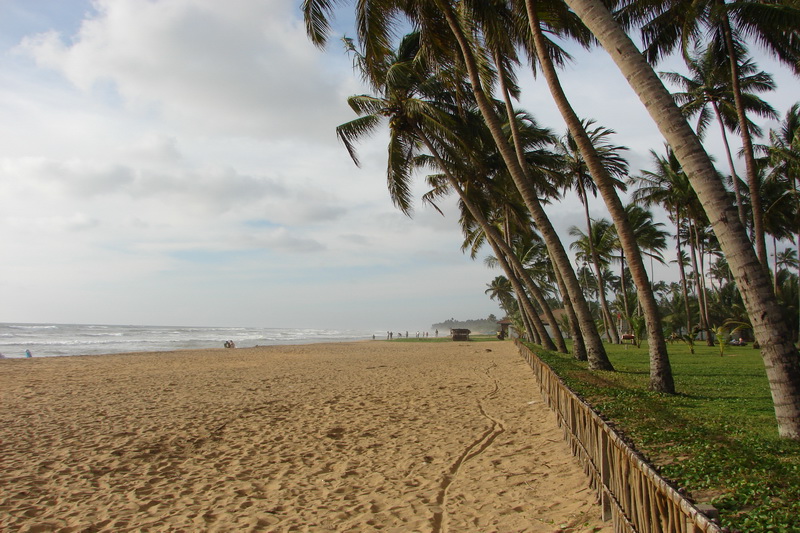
(45, 340)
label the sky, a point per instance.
(174, 162)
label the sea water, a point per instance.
(47, 340)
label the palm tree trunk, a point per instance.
(685, 290)
(596, 353)
(682, 270)
(611, 330)
(578, 346)
(775, 264)
(624, 290)
(747, 145)
(734, 178)
(531, 334)
(526, 307)
(781, 358)
(520, 151)
(660, 370)
(702, 262)
(698, 286)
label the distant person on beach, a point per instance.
(28, 353)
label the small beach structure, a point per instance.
(504, 324)
(460, 334)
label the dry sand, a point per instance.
(362, 436)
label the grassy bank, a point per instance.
(716, 437)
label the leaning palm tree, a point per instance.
(451, 36)
(552, 16)
(708, 93)
(421, 113)
(460, 24)
(780, 355)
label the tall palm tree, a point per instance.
(460, 26)
(668, 185)
(780, 355)
(577, 176)
(710, 89)
(651, 238)
(596, 248)
(669, 24)
(421, 113)
(774, 25)
(561, 21)
(474, 162)
(783, 158)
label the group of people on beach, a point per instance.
(230, 344)
(390, 335)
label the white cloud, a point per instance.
(242, 68)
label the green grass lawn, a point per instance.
(716, 438)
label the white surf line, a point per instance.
(476, 448)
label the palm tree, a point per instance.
(421, 113)
(774, 25)
(667, 185)
(652, 240)
(561, 21)
(595, 248)
(576, 174)
(783, 158)
(781, 358)
(710, 86)
(461, 28)
(500, 289)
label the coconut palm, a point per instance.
(500, 289)
(652, 241)
(783, 157)
(493, 193)
(421, 113)
(780, 355)
(669, 24)
(449, 28)
(595, 248)
(577, 176)
(668, 186)
(708, 94)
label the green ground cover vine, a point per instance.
(716, 438)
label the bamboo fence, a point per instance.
(631, 493)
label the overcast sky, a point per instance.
(174, 162)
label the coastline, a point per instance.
(318, 437)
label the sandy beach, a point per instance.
(362, 436)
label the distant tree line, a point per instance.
(485, 326)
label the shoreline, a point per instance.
(327, 436)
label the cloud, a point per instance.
(243, 68)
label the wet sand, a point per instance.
(363, 436)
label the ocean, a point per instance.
(51, 340)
